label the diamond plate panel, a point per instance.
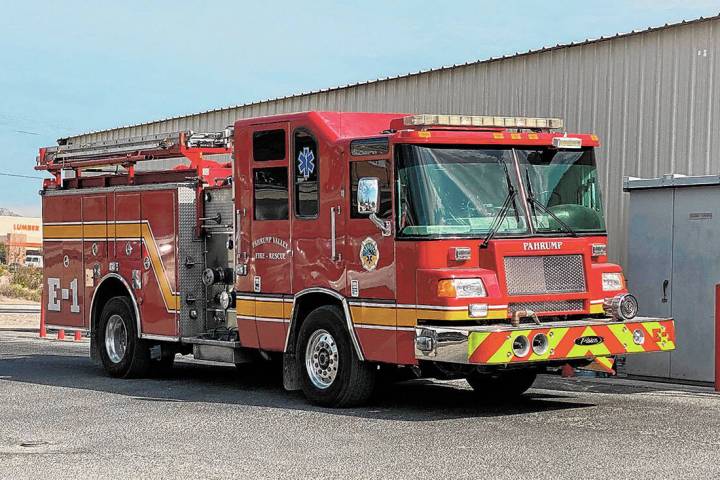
(190, 278)
(218, 201)
(536, 275)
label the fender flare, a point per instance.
(129, 293)
(346, 313)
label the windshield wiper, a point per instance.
(534, 202)
(509, 200)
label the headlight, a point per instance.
(612, 282)
(461, 288)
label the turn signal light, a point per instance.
(461, 288)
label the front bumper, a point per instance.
(493, 344)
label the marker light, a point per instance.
(566, 142)
(612, 281)
(638, 337)
(482, 121)
(461, 288)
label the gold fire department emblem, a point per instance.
(369, 254)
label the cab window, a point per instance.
(270, 193)
(269, 145)
(306, 158)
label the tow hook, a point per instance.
(520, 314)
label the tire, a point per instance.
(500, 386)
(325, 345)
(122, 353)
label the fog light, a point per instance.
(476, 310)
(540, 344)
(521, 346)
(638, 337)
(622, 307)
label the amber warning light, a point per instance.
(483, 121)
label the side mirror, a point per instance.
(368, 195)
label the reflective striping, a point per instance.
(272, 320)
(130, 231)
(270, 309)
(617, 339)
(375, 327)
(373, 315)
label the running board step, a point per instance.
(219, 350)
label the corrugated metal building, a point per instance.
(649, 95)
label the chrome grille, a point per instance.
(544, 274)
(544, 307)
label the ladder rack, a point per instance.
(127, 152)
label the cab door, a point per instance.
(371, 268)
(264, 241)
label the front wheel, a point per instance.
(331, 373)
(499, 386)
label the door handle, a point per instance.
(241, 256)
(333, 244)
(664, 290)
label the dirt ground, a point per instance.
(18, 320)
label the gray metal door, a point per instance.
(696, 270)
(649, 268)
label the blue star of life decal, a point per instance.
(306, 162)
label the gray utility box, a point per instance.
(673, 266)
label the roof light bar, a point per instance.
(483, 121)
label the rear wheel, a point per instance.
(331, 373)
(502, 385)
(122, 353)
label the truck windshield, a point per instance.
(565, 182)
(457, 191)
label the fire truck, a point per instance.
(346, 246)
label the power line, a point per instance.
(20, 176)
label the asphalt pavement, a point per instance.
(61, 417)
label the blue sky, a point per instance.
(72, 66)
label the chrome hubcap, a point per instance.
(321, 359)
(115, 339)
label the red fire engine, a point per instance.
(346, 245)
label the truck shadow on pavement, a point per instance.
(416, 400)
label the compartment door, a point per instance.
(95, 244)
(63, 295)
(161, 300)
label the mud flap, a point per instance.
(94, 353)
(291, 372)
